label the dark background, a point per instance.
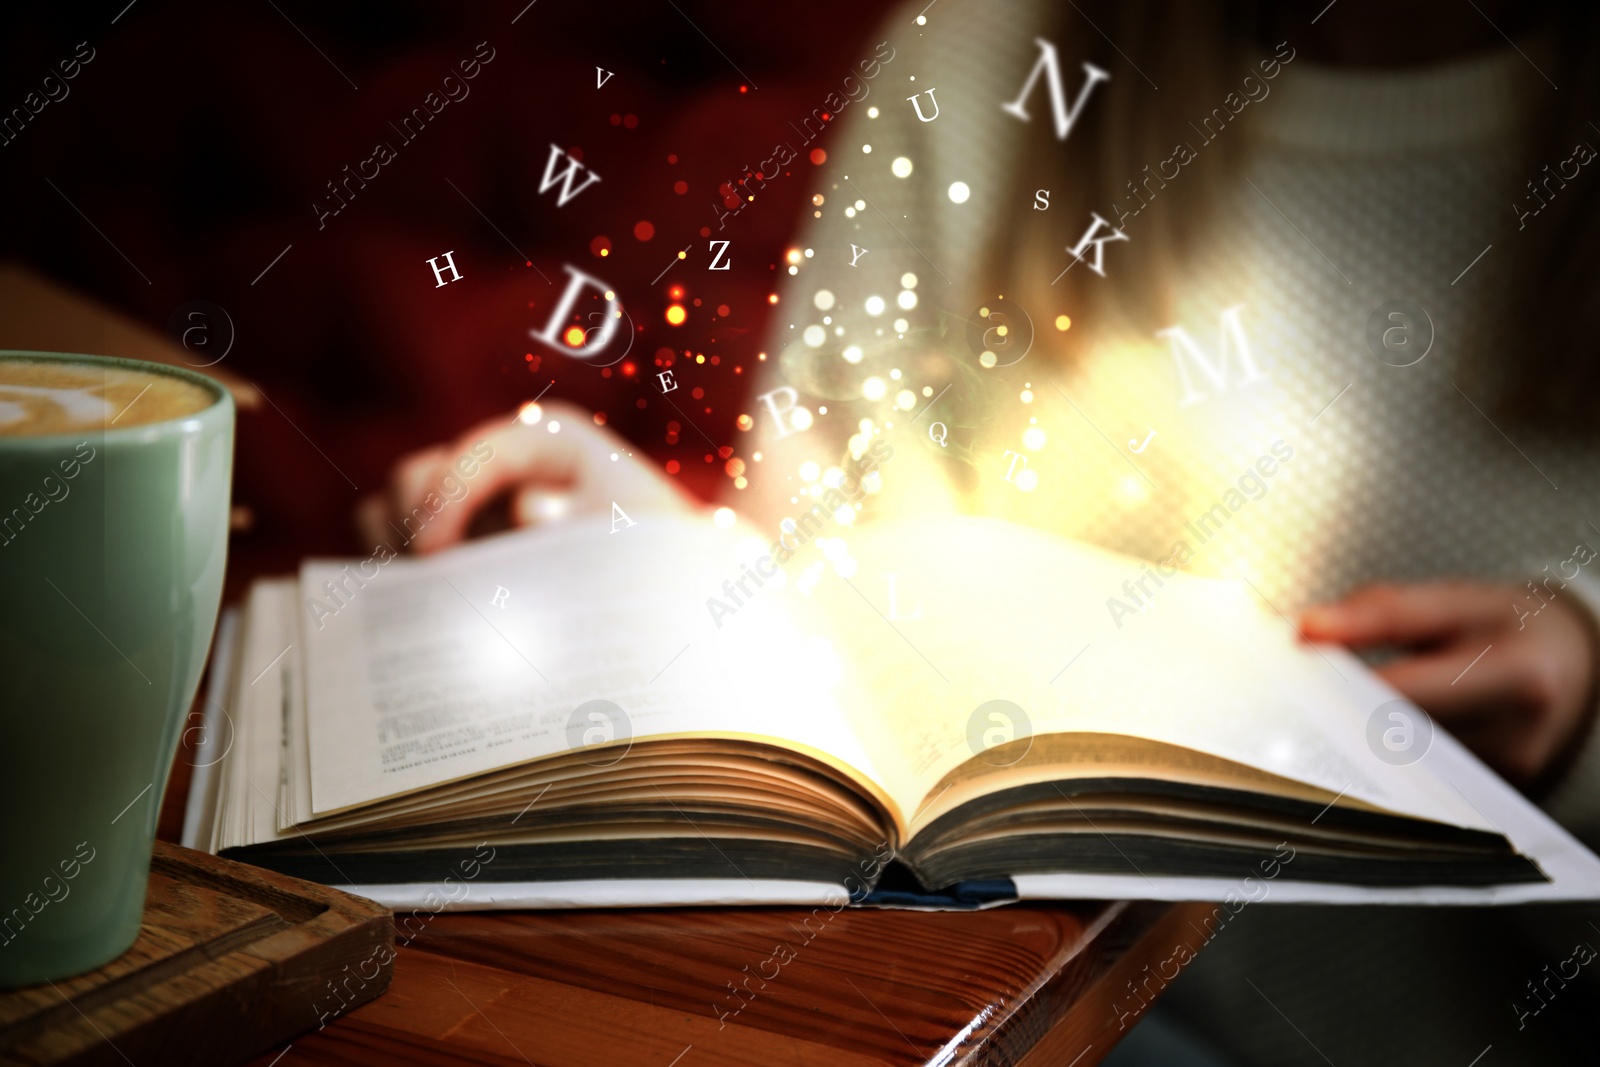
(198, 138)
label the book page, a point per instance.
(420, 672)
(266, 679)
(964, 612)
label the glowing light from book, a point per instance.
(529, 413)
(724, 518)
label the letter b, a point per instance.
(791, 418)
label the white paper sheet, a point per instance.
(1573, 869)
(603, 893)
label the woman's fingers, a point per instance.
(372, 518)
(486, 461)
(1408, 614)
(436, 493)
(1465, 679)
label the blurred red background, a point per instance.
(196, 141)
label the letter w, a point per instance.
(565, 177)
(1051, 66)
(1217, 373)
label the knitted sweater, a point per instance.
(1359, 191)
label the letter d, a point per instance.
(551, 335)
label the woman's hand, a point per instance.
(1521, 705)
(432, 498)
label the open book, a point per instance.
(941, 702)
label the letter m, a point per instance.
(1231, 339)
(565, 177)
(1051, 66)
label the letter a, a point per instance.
(551, 334)
(618, 515)
(1058, 105)
(565, 177)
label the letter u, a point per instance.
(918, 105)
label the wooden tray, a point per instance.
(231, 961)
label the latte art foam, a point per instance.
(40, 397)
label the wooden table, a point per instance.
(1025, 985)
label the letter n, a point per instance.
(1231, 338)
(1051, 66)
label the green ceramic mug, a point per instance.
(114, 498)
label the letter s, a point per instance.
(881, 450)
(478, 51)
(484, 451)
(1285, 453)
(878, 51)
(78, 852)
(78, 52)
(79, 451)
